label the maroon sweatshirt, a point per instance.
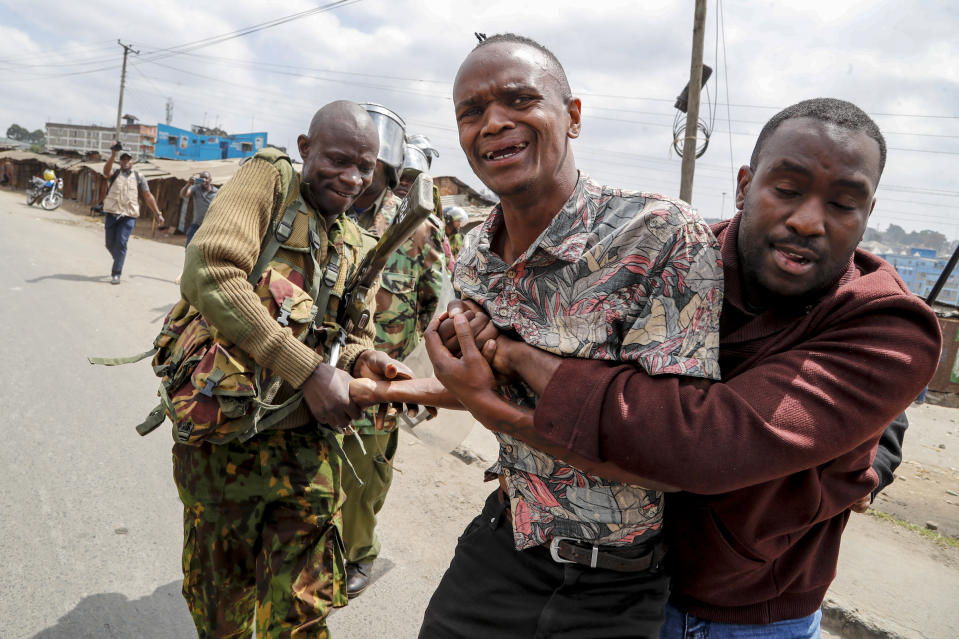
(773, 456)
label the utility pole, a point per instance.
(123, 80)
(692, 111)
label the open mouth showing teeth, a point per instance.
(799, 259)
(506, 152)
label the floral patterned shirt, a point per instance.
(617, 275)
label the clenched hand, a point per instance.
(327, 394)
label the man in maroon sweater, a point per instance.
(821, 346)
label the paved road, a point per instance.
(91, 524)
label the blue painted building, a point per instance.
(204, 144)
(919, 268)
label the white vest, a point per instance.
(123, 197)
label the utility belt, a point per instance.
(645, 556)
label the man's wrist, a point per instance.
(356, 360)
(506, 356)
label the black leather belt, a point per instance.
(621, 559)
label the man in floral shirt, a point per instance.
(579, 270)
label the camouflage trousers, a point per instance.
(375, 468)
(261, 535)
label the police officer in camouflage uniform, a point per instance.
(262, 530)
(455, 218)
(408, 296)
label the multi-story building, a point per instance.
(137, 139)
(200, 143)
(919, 268)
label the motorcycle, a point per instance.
(48, 192)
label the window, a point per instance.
(171, 140)
(246, 147)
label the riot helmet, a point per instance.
(392, 132)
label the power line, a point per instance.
(269, 24)
(55, 52)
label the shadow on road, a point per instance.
(71, 277)
(162, 615)
(150, 277)
(102, 279)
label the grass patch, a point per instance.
(943, 540)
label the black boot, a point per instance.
(357, 577)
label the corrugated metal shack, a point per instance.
(455, 192)
(946, 379)
(84, 183)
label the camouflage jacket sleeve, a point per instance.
(409, 281)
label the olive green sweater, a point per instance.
(224, 251)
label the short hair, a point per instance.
(839, 112)
(556, 66)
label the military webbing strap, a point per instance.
(117, 361)
(321, 287)
(273, 241)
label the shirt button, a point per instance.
(509, 449)
(506, 472)
(511, 274)
(502, 311)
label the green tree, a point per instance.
(933, 239)
(17, 132)
(21, 134)
(895, 234)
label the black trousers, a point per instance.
(493, 590)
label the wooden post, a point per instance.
(123, 80)
(692, 110)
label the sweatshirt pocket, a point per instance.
(714, 567)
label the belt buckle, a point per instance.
(554, 551)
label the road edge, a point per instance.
(850, 623)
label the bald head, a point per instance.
(343, 114)
(339, 155)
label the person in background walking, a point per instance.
(121, 207)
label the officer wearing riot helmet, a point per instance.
(374, 209)
(407, 298)
(455, 219)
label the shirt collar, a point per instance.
(346, 230)
(566, 236)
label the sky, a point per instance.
(626, 61)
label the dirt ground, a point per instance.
(927, 483)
